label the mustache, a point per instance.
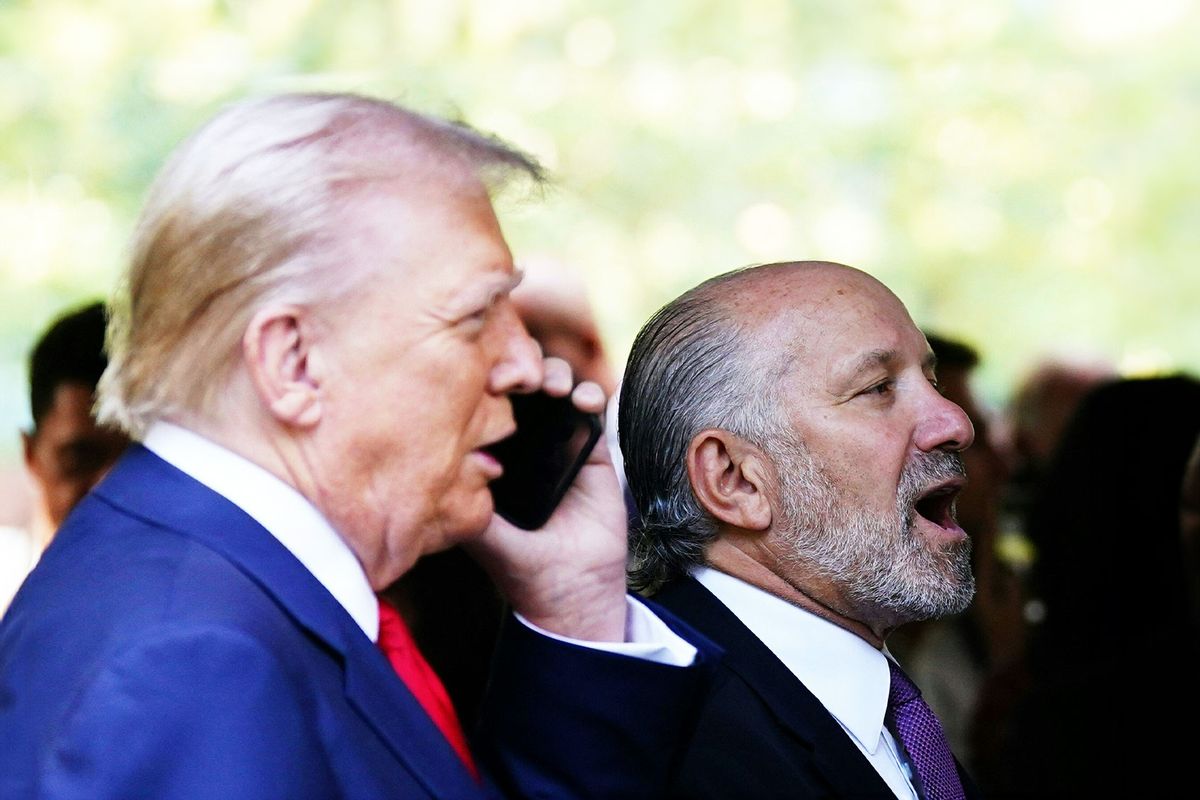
(926, 470)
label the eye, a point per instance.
(475, 319)
(881, 389)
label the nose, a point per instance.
(945, 426)
(519, 366)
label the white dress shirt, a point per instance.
(848, 675)
(301, 528)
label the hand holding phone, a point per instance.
(552, 441)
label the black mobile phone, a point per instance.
(552, 441)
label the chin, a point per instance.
(467, 519)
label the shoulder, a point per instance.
(173, 671)
(130, 636)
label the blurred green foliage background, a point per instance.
(1021, 173)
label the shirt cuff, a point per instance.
(646, 637)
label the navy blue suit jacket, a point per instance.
(168, 646)
(761, 733)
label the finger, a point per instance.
(558, 380)
(589, 397)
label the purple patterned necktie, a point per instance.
(921, 734)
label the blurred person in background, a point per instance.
(1113, 692)
(65, 451)
(556, 306)
(1030, 430)
(1036, 416)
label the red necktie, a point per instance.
(396, 642)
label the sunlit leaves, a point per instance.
(1020, 172)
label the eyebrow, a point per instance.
(872, 360)
(487, 294)
(500, 288)
(885, 358)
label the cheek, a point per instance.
(58, 483)
(442, 467)
(463, 506)
(870, 471)
(61, 497)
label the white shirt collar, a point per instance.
(847, 674)
(279, 508)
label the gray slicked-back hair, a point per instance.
(692, 366)
(252, 209)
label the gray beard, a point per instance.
(885, 569)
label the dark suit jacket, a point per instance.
(761, 733)
(167, 646)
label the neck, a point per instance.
(41, 529)
(756, 565)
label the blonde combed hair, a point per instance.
(247, 211)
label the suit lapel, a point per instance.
(794, 706)
(146, 486)
(381, 698)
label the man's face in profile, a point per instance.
(419, 370)
(68, 452)
(874, 507)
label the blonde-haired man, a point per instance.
(315, 346)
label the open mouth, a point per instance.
(498, 443)
(937, 505)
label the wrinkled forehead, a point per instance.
(426, 227)
(828, 319)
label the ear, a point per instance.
(728, 475)
(27, 442)
(278, 350)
